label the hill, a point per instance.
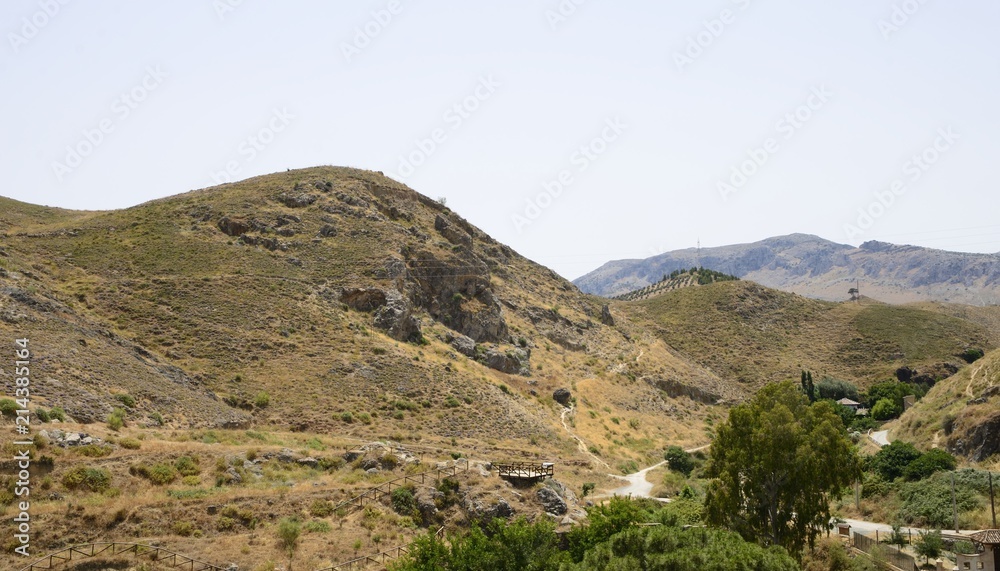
(751, 335)
(207, 364)
(818, 268)
(960, 414)
(676, 280)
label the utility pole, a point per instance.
(954, 501)
(993, 507)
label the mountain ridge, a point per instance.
(815, 267)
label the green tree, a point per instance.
(934, 460)
(679, 460)
(289, 530)
(892, 460)
(776, 463)
(886, 409)
(930, 544)
(807, 385)
(836, 389)
(891, 390)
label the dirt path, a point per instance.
(638, 486)
(579, 441)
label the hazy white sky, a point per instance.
(577, 131)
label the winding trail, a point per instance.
(638, 486)
(579, 441)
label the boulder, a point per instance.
(513, 361)
(562, 396)
(309, 461)
(396, 318)
(606, 317)
(297, 200)
(234, 226)
(462, 344)
(551, 501)
(72, 439)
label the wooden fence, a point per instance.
(378, 559)
(157, 554)
(376, 493)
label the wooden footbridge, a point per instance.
(525, 471)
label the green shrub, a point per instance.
(262, 400)
(225, 523)
(92, 450)
(125, 399)
(160, 474)
(403, 501)
(130, 443)
(187, 466)
(321, 508)
(88, 479)
(184, 528)
(318, 526)
(57, 413)
(157, 418)
(42, 415)
(451, 402)
(8, 407)
(972, 355)
(116, 420)
(365, 418)
(347, 416)
(588, 487)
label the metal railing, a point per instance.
(526, 470)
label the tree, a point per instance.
(934, 460)
(678, 460)
(289, 530)
(892, 460)
(891, 390)
(836, 389)
(777, 462)
(807, 386)
(930, 544)
(885, 409)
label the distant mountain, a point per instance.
(811, 266)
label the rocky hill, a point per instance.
(818, 268)
(205, 367)
(960, 414)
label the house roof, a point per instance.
(988, 537)
(848, 402)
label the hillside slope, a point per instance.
(960, 414)
(336, 294)
(749, 334)
(818, 268)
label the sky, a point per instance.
(576, 131)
